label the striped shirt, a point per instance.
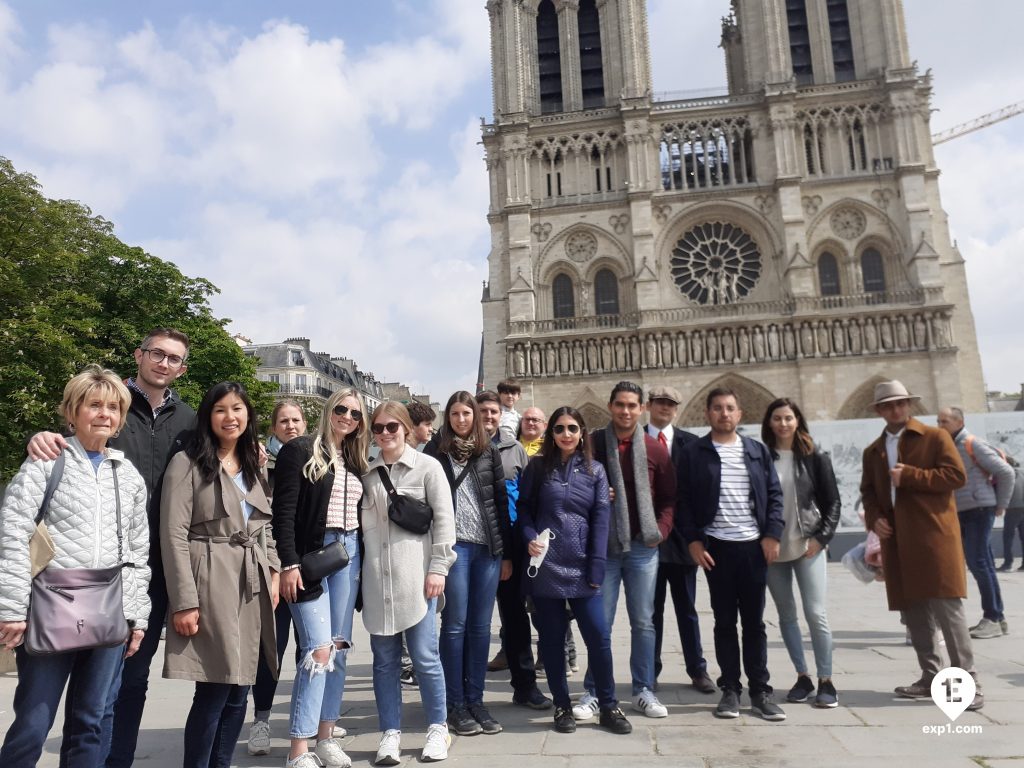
(734, 520)
(343, 507)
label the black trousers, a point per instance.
(736, 584)
(515, 624)
(683, 581)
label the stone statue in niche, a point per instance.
(920, 333)
(940, 331)
(742, 345)
(681, 350)
(563, 358)
(620, 354)
(520, 361)
(774, 342)
(607, 356)
(634, 353)
(666, 350)
(535, 360)
(757, 342)
(593, 356)
(870, 335)
(697, 348)
(838, 337)
(856, 342)
(886, 334)
(728, 347)
(902, 334)
(806, 340)
(789, 341)
(650, 351)
(577, 357)
(824, 342)
(711, 348)
(550, 359)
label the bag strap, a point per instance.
(462, 475)
(117, 504)
(56, 473)
(386, 479)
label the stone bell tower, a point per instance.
(785, 237)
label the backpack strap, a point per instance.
(56, 473)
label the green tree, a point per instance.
(71, 293)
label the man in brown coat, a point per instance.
(910, 474)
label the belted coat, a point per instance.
(924, 558)
(217, 562)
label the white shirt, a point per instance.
(892, 444)
(734, 520)
(668, 431)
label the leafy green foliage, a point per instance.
(71, 293)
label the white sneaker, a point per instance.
(647, 703)
(586, 708)
(390, 750)
(438, 741)
(259, 738)
(331, 754)
(305, 760)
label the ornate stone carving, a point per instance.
(661, 213)
(535, 368)
(619, 223)
(666, 351)
(682, 350)
(920, 332)
(757, 342)
(715, 263)
(581, 246)
(541, 231)
(849, 223)
(811, 204)
(519, 365)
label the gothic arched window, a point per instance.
(549, 58)
(872, 271)
(828, 275)
(799, 41)
(842, 42)
(591, 66)
(606, 293)
(563, 301)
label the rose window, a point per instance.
(715, 263)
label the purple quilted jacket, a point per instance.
(573, 503)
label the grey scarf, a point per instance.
(649, 532)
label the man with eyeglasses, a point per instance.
(157, 426)
(531, 430)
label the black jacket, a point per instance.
(489, 477)
(817, 494)
(149, 444)
(673, 549)
(300, 508)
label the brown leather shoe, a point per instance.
(498, 663)
(978, 703)
(703, 683)
(916, 690)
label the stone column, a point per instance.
(569, 43)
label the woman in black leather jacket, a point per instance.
(483, 547)
(811, 511)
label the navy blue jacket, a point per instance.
(574, 504)
(699, 476)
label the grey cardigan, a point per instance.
(978, 491)
(395, 561)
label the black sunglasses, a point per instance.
(341, 410)
(560, 428)
(391, 427)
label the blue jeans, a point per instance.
(975, 530)
(810, 578)
(41, 681)
(213, 725)
(421, 641)
(552, 624)
(127, 698)
(637, 570)
(324, 623)
(469, 595)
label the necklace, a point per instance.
(228, 461)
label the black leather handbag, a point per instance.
(406, 512)
(322, 562)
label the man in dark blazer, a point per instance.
(675, 566)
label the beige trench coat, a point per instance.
(215, 561)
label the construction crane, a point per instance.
(978, 123)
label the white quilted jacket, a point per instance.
(82, 521)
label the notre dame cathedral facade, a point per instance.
(784, 239)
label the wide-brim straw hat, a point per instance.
(890, 391)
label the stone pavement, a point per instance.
(870, 725)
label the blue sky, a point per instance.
(319, 161)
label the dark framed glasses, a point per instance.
(341, 410)
(391, 427)
(572, 429)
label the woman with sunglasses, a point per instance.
(405, 577)
(317, 498)
(565, 492)
(484, 548)
(811, 507)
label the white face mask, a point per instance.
(543, 539)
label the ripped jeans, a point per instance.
(324, 623)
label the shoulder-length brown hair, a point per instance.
(803, 445)
(479, 436)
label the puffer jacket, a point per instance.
(573, 503)
(817, 496)
(990, 479)
(82, 521)
(486, 472)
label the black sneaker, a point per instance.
(826, 698)
(564, 721)
(615, 721)
(761, 704)
(408, 677)
(463, 723)
(729, 706)
(798, 693)
(487, 723)
(532, 698)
